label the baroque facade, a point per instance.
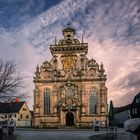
(69, 89)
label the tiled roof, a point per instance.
(12, 107)
(136, 97)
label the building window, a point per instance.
(137, 100)
(47, 102)
(21, 116)
(37, 110)
(102, 109)
(92, 101)
(135, 110)
(27, 117)
(24, 109)
(15, 115)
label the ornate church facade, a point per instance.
(70, 89)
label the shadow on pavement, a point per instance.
(10, 137)
(101, 137)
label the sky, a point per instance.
(110, 27)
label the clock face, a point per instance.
(69, 62)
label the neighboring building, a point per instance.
(135, 107)
(18, 111)
(69, 89)
(32, 117)
(122, 114)
(129, 111)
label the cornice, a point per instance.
(72, 80)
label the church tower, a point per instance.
(70, 89)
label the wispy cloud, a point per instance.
(122, 69)
(112, 29)
(16, 12)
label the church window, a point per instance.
(102, 109)
(92, 101)
(47, 102)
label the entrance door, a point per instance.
(69, 119)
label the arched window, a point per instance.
(47, 102)
(92, 99)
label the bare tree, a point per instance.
(11, 81)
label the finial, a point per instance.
(102, 66)
(68, 24)
(82, 39)
(37, 69)
(55, 40)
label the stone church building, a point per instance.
(70, 89)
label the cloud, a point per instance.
(112, 29)
(122, 69)
(16, 46)
(16, 12)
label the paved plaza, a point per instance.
(64, 134)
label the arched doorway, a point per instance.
(69, 119)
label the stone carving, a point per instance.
(46, 66)
(78, 72)
(102, 69)
(36, 90)
(70, 41)
(37, 74)
(93, 64)
(68, 103)
(58, 73)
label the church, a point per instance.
(70, 89)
